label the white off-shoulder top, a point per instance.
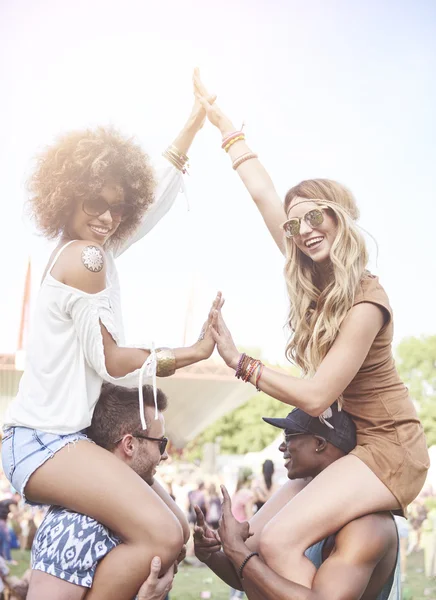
(65, 363)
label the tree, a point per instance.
(416, 361)
(242, 430)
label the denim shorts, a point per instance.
(25, 449)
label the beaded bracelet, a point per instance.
(258, 375)
(248, 367)
(244, 363)
(249, 372)
(238, 368)
(241, 159)
(245, 561)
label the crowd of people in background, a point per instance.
(251, 491)
(18, 525)
(19, 522)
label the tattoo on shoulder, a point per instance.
(92, 258)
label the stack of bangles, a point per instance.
(227, 143)
(249, 367)
(176, 158)
(166, 362)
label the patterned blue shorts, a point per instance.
(69, 546)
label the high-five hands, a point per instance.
(207, 101)
(224, 341)
(206, 342)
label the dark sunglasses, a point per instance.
(96, 206)
(162, 441)
(313, 218)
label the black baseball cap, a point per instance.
(343, 434)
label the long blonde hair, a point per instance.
(316, 314)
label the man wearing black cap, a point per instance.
(361, 561)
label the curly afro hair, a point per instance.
(81, 163)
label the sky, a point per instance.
(343, 89)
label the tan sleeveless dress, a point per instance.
(390, 437)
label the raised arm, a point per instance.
(170, 178)
(252, 173)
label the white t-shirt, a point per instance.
(65, 364)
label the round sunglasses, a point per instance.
(162, 441)
(313, 218)
(97, 206)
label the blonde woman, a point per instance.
(341, 323)
(94, 191)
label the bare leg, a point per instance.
(271, 508)
(88, 479)
(49, 587)
(344, 491)
(264, 516)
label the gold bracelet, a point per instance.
(176, 163)
(171, 159)
(241, 159)
(174, 149)
(233, 141)
(176, 158)
(166, 362)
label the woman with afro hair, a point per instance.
(95, 192)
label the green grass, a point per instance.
(191, 581)
(23, 559)
(417, 586)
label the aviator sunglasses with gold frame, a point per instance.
(314, 218)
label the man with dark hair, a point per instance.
(70, 545)
(361, 561)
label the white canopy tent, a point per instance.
(199, 395)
